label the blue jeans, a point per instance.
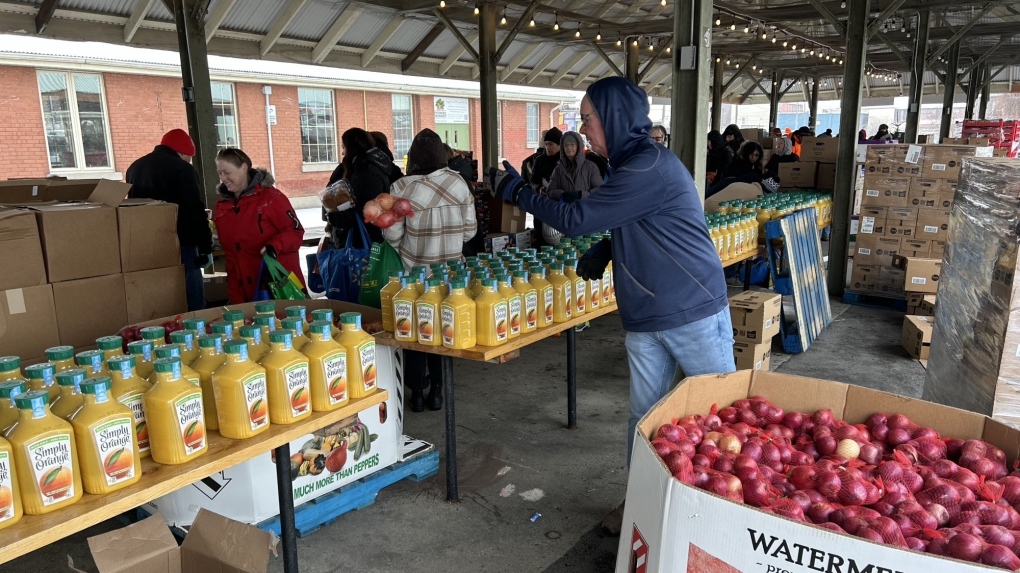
(702, 347)
(193, 281)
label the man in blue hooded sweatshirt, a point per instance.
(672, 292)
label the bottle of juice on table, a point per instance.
(491, 315)
(224, 329)
(174, 351)
(297, 328)
(236, 319)
(129, 389)
(418, 275)
(327, 368)
(529, 302)
(185, 339)
(10, 369)
(563, 297)
(257, 348)
(10, 494)
(111, 346)
(70, 393)
(287, 385)
(242, 405)
(45, 457)
(427, 311)
(459, 317)
(61, 357)
(210, 358)
(362, 373)
(154, 334)
(296, 311)
(142, 350)
(607, 285)
(93, 362)
(8, 409)
(104, 433)
(267, 324)
(544, 290)
(386, 295)
(326, 315)
(267, 308)
(196, 325)
(405, 328)
(43, 377)
(174, 416)
(514, 308)
(579, 285)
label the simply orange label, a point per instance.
(51, 466)
(426, 323)
(368, 371)
(256, 400)
(7, 500)
(191, 418)
(134, 402)
(299, 389)
(336, 377)
(115, 449)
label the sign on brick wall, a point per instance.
(451, 110)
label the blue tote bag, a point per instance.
(342, 269)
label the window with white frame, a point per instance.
(318, 125)
(533, 135)
(403, 125)
(74, 117)
(225, 116)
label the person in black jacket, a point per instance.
(382, 143)
(542, 170)
(734, 138)
(368, 170)
(166, 174)
(719, 156)
(460, 164)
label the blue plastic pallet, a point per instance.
(873, 300)
(325, 510)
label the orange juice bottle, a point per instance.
(427, 309)
(327, 368)
(253, 336)
(8, 409)
(242, 405)
(326, 315)
(111, 346)
(174, 416)
(43, 377)
(224, 329)
(580, 288)
(418, 278)
(10, 494)
(563, 298)
(607, 279)
(529, 302)
(491, 315)
(210, 358)
(154, 334)
(267, 324)
(236, 319)
(514, 308)
(142, 350)
(287, 386)
(45, 457)
(104, 432)
(196, 325)
(70, 393)
(174, 351)
(129, 389)
(362, 373)
(10, 369)
(405, 329)
(185, 339)
(296, 311)
(386, 295)
(297, 328)
(460, 317)
(544, 289)
(267, 308)
(61, 357)
(93, 362)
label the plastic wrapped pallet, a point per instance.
(975, 349)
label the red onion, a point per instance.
(752, 448)
(681, 467)
(998, 535)
(712, 422)
(870, 454)
(899, 421)
(897, 436)
(945, 468)
(877, 419)
(724, 463)
(803, 477)
(828, 483)
(939, 513)
(758, 493)
(953, 447)
(965, 546)
(801, 498)
(701, 461)
(663, 447)
(1011, 489)
(787, 508)
(793, 420)
(823, 417)
(831, 527)
(879, 433)
(700, 477)
(820, 512)
(999, 556)
(728, 415)
(826, 445)
(870, 534)
(688, 448)
(747, 417)
(916, 544)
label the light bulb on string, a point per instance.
(635, 43)
(477, 11)
(764, 34)
(598, 35)
(619, 42)
(747, 28)
(442, 3)
(812, 51)
(754, 67)
(556, 23)
(718, 59)
(908, 34)
(532, 23)
(786, 43)
(843, 4)
(773, 38)
(718, 21)
(662, 3)
(651, 48)
(733, 26)
(669, 50)
(727, 61)
(794, 47)
(577, 32)
(502, 21)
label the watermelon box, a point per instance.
(672, 527)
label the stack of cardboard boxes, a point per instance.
(506, 226)
(80, 262)
(817, 166)
(756, 320)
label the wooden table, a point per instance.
(744, 257)
(496, 353)
(36, 531)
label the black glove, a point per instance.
(593, 263)
(571, 196)
(505, 184)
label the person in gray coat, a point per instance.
(574, 177)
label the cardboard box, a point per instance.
(915, 299)
(521, 240)
(927, 306)
(915, 248)
(797, 175)
(876, 250)
(669, 526)
(155, 293)
(916, 337)
(90, 308)
(945, 161)
(938, 249)
(214, 543)
(148, 235)
(28, 323)
(496, 242)
(753, 135)
(21, 256)
(894, 160)
(79, 240)
(884, 191)
(755, 316)
(932, 224)
(751, 356)
(825, 177)
(864, 278)
(922, 275)
(505, 218)
(873, 220)
(821, 149)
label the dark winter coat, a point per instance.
(164, 176)
(573, 180)
(373, 173)
(545, 164)
(461, 165)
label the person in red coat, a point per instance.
(252, 218)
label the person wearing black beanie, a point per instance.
(543, 169)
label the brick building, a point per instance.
(85, 117)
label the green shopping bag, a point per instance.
(283, 284)
(383, 260)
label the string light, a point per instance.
(619, 42)
(598, 36)
(442, 3)
(754, 67)
(556, 24)
(764, 34)
(669, 50)
(532, 23)
(502, 21)
(718, 21)
(663, 3)
(718, 59)
(794, 47)
(733, 26)
(843, 4)
(747, 28)
(773, 38)
(727, 61)
(577, 32)
(477, 10)
(786, 43)
(635, 43)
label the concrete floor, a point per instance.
(517, 459)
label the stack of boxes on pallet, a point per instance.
(816, 168)
(79, 262)
(756, 320)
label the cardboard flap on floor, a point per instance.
(143, 547)
(215, 543)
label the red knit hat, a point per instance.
(179, 141)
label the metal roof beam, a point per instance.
(423, 45)
(602, 54)
(807, 11)
(137, 15)
(986, 55)
(519, 59)
(565, 68)
(783, 93)
(380, 41)
(546, 61)
(829, 17)
(457, 34)
(587, 71)
(280, 25)
(895, 50)
(960, 33)
(457, 53)
(735, 76)
(526, 16)
(658, 76)
(215, 20)
(344, 21)
(891, 9)
(1003, 67)
(662, 50)
(45, 14)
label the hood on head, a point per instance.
(256, 176)
(576, 138)
(623, 109)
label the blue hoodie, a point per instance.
(665, 266)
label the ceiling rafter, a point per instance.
(216, 18)
(602, 54)
(464, 42)
(45, 14)
(587, 71)
(422, 45)
(541, 67)
(343, 22)
(457, 52)
(380, 40)
(135, 20)
(284, 20)
(565, 68)
(519, 59)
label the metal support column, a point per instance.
(285, 493)
(973, 87)
(986, 90)
(717, 97)
(633, 63)
(692, 27)
(949, 97)
(849, 124)
(487, 85)
(776, 94)
(197, 91)
(813, 120)
(917, 69)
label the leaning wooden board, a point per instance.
(36, 531)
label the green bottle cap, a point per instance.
(211, 341)
(42, 371)
(72, 377)
(323, 314)
(297, 325)
(59, 353)
(108, 343)
(116, 363)
(32, 400)
(284, 337)
(185, 338)
(236, 346)
(265, 308)
(92, 359)
(195, 325)
(249, 331)
(321, 327)
(351, 318)
(168, 351)
(233, 316)
(98, 385)
(268, 321)
(556, 267)
(12, 388)
(224, 329)
(503, 278)
(153, 333)
(296, 311)
(433, 283)
(168, 366)
(9, 363)
(521, 275)
(459, 283)
(489, 283)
